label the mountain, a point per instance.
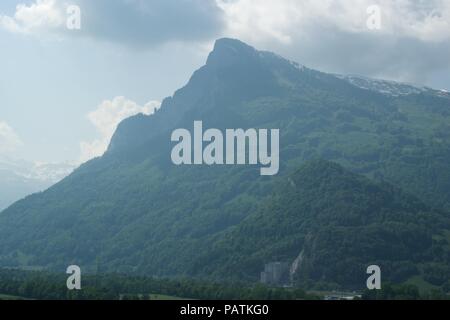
(134, 211)
(324, 215)
(19, 178)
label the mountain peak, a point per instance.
(227, 50)
(224, 43)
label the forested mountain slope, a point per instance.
(132, 210)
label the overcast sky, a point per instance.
(62, 92)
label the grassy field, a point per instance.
(154, 297)
(164, 297)
(151, 296)
(9, 297)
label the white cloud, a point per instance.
(106, 118)
(332, 35)
(9, 140)
(43, 15)
(284, 20)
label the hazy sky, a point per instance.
(62, 92)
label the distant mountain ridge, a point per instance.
(19, 178)
(133, 211)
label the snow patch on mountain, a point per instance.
(390, 88)
(387, 87)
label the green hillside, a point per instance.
(336, 223)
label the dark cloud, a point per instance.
(146, 23)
